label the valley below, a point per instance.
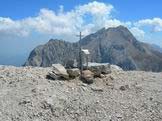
(27, 95)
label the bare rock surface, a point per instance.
(26, 95)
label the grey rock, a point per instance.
(123, 88)
(87, 76)
(75, 72)
(98, 89)
(53, 75)
(99, 68)
(60, 71)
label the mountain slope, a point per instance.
(118, 46)
(114, 45)
(156, 47)
(55, 51)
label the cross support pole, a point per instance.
(80, 54)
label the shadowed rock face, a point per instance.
(114, 45)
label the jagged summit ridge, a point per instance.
(113, 45)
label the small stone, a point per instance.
(123, 88)
(99, 89)
(151, 98)
(1, 76)
(111, 77)
(84, 85)
(118, 115)
(102, 76)
(24, 102)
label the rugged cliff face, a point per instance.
(55, 51)
(114, 45)
(118, 46)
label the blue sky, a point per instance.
(24, 24)
(126, 9)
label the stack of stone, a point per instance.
(89, 73)
(95, 70)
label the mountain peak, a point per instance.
(115, 45)
(121, 27)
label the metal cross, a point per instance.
(80, 53)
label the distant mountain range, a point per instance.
(113, 45)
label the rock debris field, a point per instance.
(27, 95)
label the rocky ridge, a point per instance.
(113, 45)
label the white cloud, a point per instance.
(155, 24)
(95, 8)
(60, 23)
(114, 23)
(48, 22)
(140, 34)
(87, 18)
(10, 27)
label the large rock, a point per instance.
(99, 68)
(87, 76)
(59, 71)
(75, 72)
(53, 76)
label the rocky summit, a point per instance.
(113, 45)
(27, 95)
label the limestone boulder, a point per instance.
(99, 68)
(59, 71)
